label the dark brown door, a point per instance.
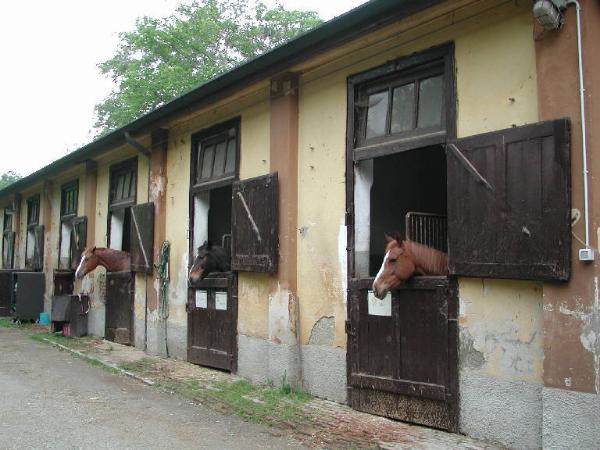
(212, 322)
(119, 307)
(6, 291)
(402, 352)
(29, 299)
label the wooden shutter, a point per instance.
(8, 252)
(255, 234)
(509, 203)
(142, 237)
(38, 249)
(78, 240)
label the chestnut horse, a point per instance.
(402, 260)
(112, 260)
(210, 258)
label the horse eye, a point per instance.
(392, 260)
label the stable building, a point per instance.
(457, 124)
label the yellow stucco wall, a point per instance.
(496, 88)
(321, 205)
(254, 161)
(496, 78)
(496, 84)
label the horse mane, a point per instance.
(430, 260)
(427, 259)
(121, 263)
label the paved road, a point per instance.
(50, 400)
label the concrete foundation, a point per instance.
(261, 360)
(505, 412)
(570, 420)
(324, 371)
(323, 368)
(97, 321)
(177, 340)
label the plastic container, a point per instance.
(44, 318)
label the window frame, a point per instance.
(213, 135)
(8, 234)
(30, 227)
(67, 216)
(429, 63)
(129, 165)
(34, 199)
(64, 192)
(113, 172)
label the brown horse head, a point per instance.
(404, 258)
(210, 258)
(88, 262)
(112, 260)
(398, 266)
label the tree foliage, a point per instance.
(8, 178)
(164, 58)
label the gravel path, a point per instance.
(51, 400)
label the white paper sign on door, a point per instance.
(201, 299)
(379, 307)
(221, 301)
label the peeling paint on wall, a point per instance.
(281, 330)
(323, 331)
(501, 328)
(469, 356)
(589, 317)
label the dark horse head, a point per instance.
(210, 258)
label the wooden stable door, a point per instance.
(119, 307)
(212, 314)
(402, 352)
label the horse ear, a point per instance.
(94, 249)
(388, 238)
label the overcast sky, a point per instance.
(49, 76)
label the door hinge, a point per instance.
(349, 219)
(349, 330)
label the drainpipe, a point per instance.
(548, 14)
(587, 253)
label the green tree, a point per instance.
(8, 178)
(164, 58)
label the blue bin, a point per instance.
(44, 318)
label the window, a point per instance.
(123, 183)
(8, 239)
(403, 105)
(35, 235)
(68, 211)
(68, 199)
(122, 195)
(214, 169)
(215, 155)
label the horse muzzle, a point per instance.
(380, 291)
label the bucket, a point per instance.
(44, 318)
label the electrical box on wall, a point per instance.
(586, 254)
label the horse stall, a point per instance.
(402, 349)
(212, 300)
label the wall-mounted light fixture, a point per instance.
(548, 13)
